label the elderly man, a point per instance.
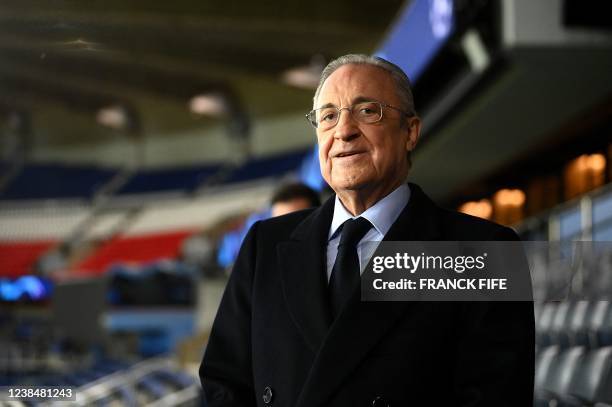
(291, 329)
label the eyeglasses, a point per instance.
(325, 118)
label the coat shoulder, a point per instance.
(281, 227)
(460, 226)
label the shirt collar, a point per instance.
(382, 214)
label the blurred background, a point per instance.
(139, 141)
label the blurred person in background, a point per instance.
(291, 329)
(293, 197)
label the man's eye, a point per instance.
(328, 116)
(367, 109)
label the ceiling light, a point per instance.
(306, 76)
(114, 117)
(597, 162)
(510, 197)
(208, 104)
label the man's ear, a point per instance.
(414, 131)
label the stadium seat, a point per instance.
(600, 325)
(180, 380)
(559, 328)
(577, 328)
(127, 396)
(559, 377)
(153, 387)
(544, 324)
(545, 359)
(593, 382)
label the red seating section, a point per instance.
(17, 258)
(133, 249)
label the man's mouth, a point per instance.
(347, 154)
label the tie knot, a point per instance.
(353, 230)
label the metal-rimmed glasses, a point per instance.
(324, 118)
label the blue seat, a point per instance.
(153, 387)
(127, 396)
(53, 181)
(179, 380)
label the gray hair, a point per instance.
(403, 87)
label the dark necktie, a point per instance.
(345, 273)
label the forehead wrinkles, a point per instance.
(351, 83)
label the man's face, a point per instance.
(356, 156)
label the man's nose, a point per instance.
(347, 127)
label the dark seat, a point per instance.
(560, 326)
(605, 331)
(560, 377)
(600, 325)
(544, 324)
(544, 363)
(578, 323)
(593, 383)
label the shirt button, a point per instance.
(267, 395)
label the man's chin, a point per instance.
(349, 186)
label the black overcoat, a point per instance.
(273, 343)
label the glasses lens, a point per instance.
(367, 112)
(327, 117)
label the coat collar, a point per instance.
(302, 265)
(302, 262)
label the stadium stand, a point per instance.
(574, 377)
(19, 258)
(133, 250)
(26, 234)
(593, 382)
(574, 357)
(173, 179)
(268, 167)
(56, 181)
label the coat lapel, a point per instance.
(360, 326)
(302, 263)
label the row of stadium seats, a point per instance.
(574, 323)
(56, 181)
(83, 376)
(573, 377)
(114, 383)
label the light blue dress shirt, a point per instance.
(381, 215)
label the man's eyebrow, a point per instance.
(326, 106)
(358, 99)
